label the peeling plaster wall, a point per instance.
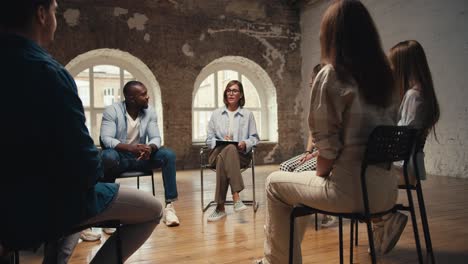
(440, 26)
(176, 39)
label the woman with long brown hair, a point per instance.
(352, 94)
(419, 108)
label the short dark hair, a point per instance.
(241, 89)
(130, 84)
(18, 14)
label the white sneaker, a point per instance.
(216, 215)
(388, 231)
(170, 218)
(328, 221)
(393, 226)
(89, 235)
(108, 230)
(239, 206)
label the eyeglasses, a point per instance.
(232, 91)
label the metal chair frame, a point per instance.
(132, 173)
(105, 224)
(204, 165)
(386, 144)
(419, 147)
(138, 174)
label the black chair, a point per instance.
(204, 152)
(386, 144)
(14, 259)
(415, 186)
(419, 147)
(132, 173)
(138, 174)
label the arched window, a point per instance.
(100, 76)
(208, 95)
(98, 87)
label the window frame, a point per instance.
(131, 64)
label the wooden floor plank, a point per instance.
(239, 237)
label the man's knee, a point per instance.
(110, 158)
(165, 154)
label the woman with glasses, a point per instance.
(232, 133)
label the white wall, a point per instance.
(442, 29)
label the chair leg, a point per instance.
(138, 182)
(152, 183)
(316, 221)
(14, 258)
(291, 236)
(370, 236)
(201, 189)
(351, 235)
(119, 247)
(427, 234)
(255, 204)
(340, 233)
(415, 225)
(357, 232)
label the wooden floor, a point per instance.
(239, 237)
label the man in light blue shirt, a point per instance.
(131, 141)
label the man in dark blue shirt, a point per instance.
(51, 170)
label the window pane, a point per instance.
(82, 82)
(258, 122)
(106, 84)
(251, 96)
(223, 78)
(200, 124)
(205, 94)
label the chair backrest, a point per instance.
(386, 144)
(389, 144)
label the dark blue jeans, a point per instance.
(115, 162)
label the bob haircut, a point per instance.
(241, 89)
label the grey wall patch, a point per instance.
(138, 21)
(120, 11)
(269, 157)
(262, 34)
(71, 17)
(147, 37)
(187, 50)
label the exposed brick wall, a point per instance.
(176, 39)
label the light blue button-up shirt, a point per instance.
(244, 127)
(114, 126)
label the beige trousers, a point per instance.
(337, 193)
(139, 212)
(228, 161)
